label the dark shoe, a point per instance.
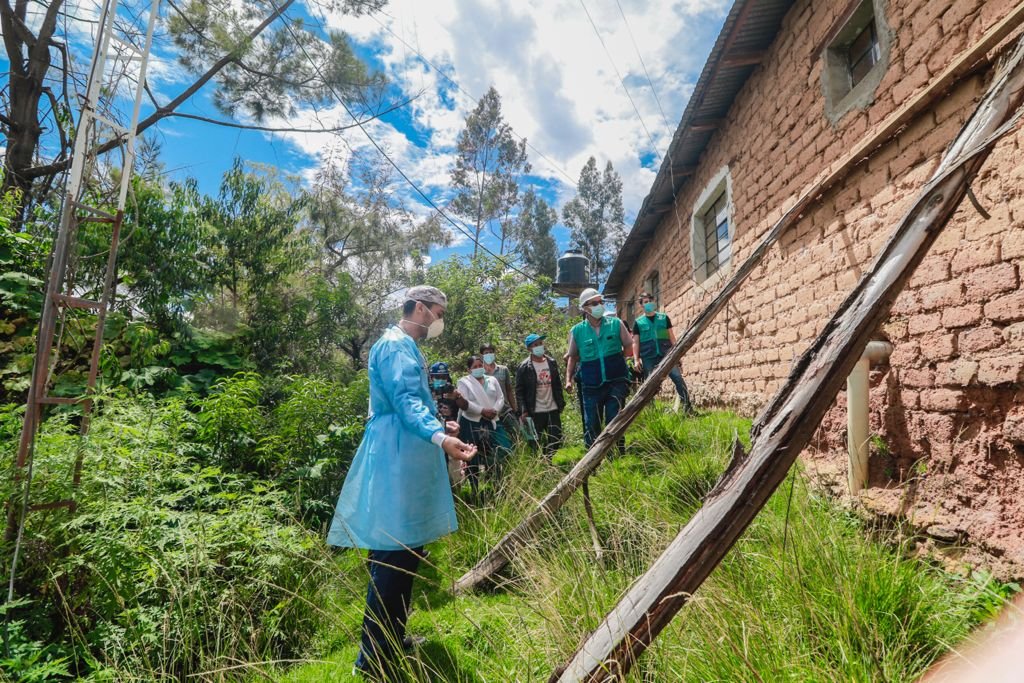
(410, 643)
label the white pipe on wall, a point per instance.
(857, 408)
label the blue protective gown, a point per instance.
(396, 494)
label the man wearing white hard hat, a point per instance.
(597, 345)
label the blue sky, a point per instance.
(559, 85)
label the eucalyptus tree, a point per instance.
(369, 240)
(537, 246)
(595, 216)
(489, 162)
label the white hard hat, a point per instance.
(588, 294)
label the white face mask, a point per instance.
(435, 328)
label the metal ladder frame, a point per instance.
(56, 301)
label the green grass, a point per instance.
(808, 593)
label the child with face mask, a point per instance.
(449, 402)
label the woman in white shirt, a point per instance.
(479, 422)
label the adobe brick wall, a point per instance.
(948, 406)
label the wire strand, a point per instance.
(362, 127)
(618, 74)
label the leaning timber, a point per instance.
(788, 423)
(974, 58)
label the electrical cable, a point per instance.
(430, 202)
(468, 94)
(636, 48)
(622, 81)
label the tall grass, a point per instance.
(808, 593)
(176, 568)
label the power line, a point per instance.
(387, 157)
(619, 75)
(644, 65)
(468, 94)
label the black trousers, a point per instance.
(549, 432)
(388, 599)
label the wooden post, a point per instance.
(509, 544)
(788, 423)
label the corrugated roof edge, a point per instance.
(647, 221)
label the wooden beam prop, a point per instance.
(506, 548)
(788, 423)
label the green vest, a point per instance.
(600, 351)
(654, 339)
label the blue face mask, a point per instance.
(489, 358)
(538, 350)
(650, 307)
(437, 383)
(597, 311)
(477, 372)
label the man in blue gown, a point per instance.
(396, 497)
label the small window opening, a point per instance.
(653, 287)
(863, 54)
(856, 56)
(717, 247)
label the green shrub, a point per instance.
(313, 433)
(171, 566)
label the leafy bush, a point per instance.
(171, 566)
(314, 432)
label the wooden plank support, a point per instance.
(706, 125)
(743, 58)
(790, 420)
(93, 210)
(76, 302)
(506, 548)
(59, 400)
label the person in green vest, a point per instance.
(598, 345)
(652, 338)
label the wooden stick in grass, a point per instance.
(788, 423)
(508, 546)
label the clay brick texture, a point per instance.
(946, 406)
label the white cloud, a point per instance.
(558, 86)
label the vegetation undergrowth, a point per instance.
(807, 594)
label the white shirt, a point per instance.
(545, 402)
(480, 396)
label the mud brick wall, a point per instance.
(948, 407)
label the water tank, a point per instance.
(573, 268)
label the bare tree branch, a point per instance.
(168, 109)
(289, 129)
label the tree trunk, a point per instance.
(29, 59)
(791, 419)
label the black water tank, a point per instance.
(573, 268)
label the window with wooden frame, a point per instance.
(863, 53)
(653, 286)
(712, 231)
(855, 53)
(716, 235)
